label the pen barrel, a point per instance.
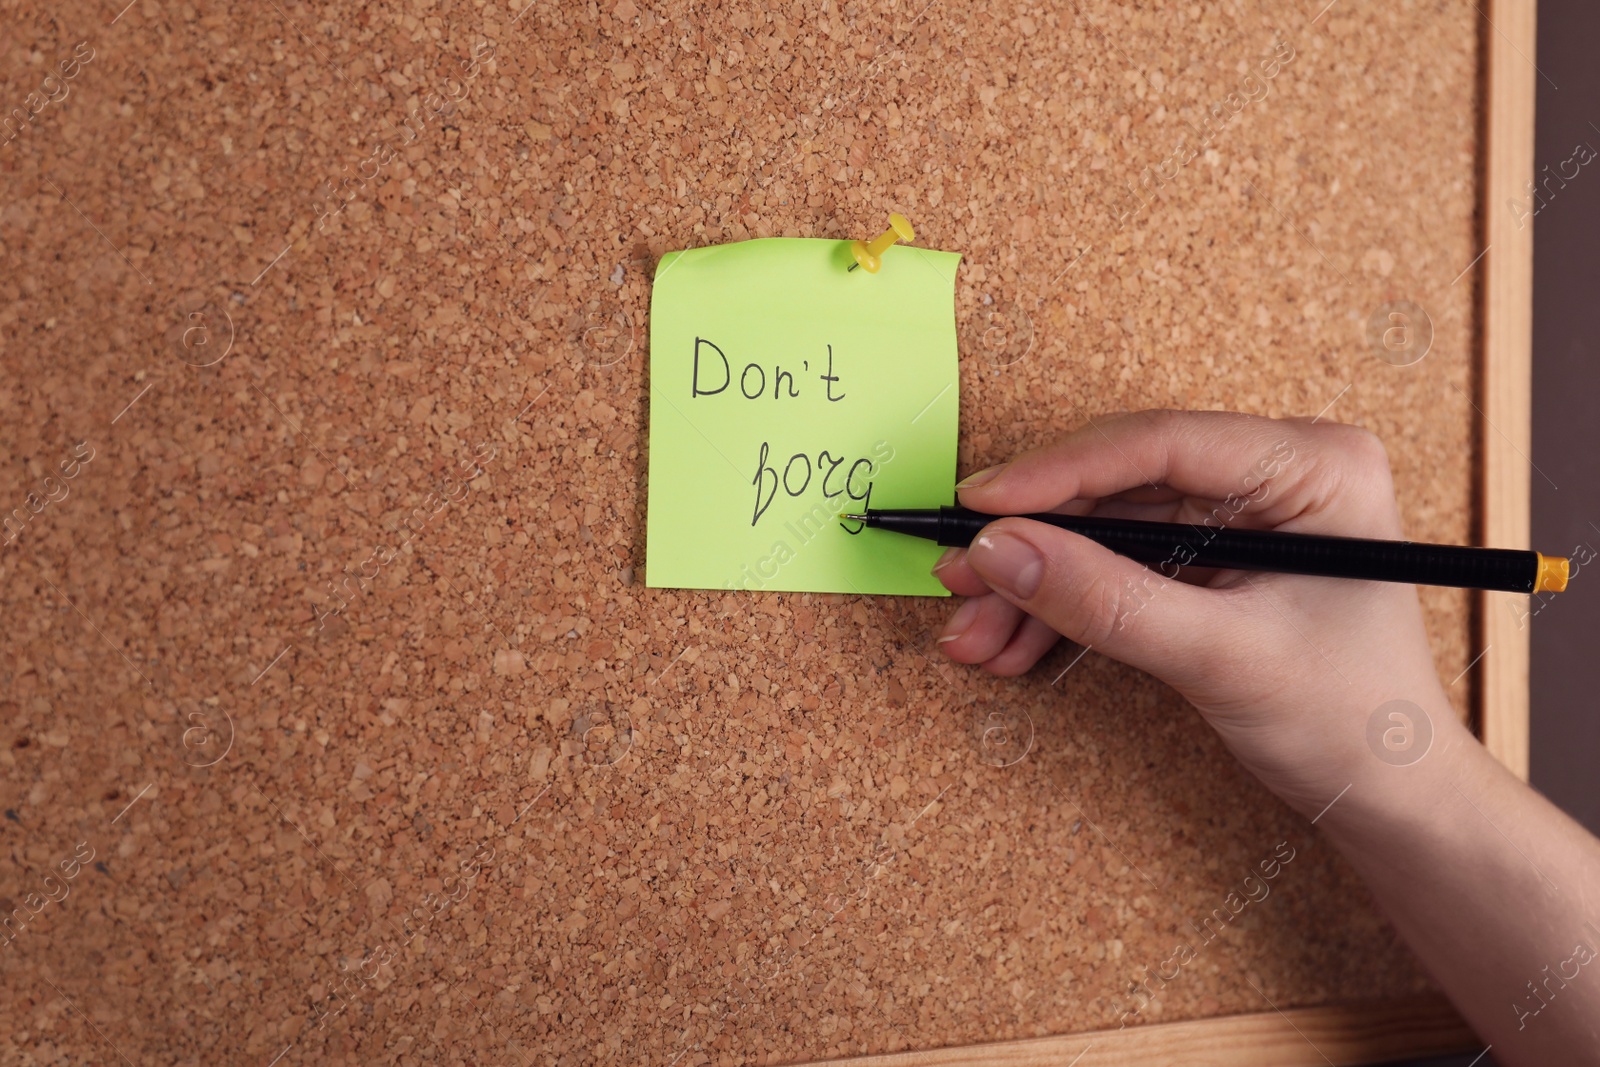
(1169, 546)
(1411, 562)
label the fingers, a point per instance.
(1027, 646)
(980, 629)
(1278, 469)
(1097, 598)
(957, 576)
(990, 630)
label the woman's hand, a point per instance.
(1287, 668)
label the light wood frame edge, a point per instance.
(1296, 1037)
(1370, 1033)
(1506, 392)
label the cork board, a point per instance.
(342, 728)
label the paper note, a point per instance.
(786, 390)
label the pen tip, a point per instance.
(853, 518)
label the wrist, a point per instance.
(1414, 760)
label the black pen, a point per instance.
(1171, 545)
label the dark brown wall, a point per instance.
(1566, 412)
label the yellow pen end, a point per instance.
(1552, 576)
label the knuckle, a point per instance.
(1365, 448)
(1353, 468)
(1363, 463)
(1102, 611)
(1357, 445)
(1147, 424)
(1160, 420)
(1138, 423)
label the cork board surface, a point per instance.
(488, 799)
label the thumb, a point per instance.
(1090, 595)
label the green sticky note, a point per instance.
(785, 390)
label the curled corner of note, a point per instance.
(666, 263)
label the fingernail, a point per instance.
(949, 557)
(1008, 563)
(959, 621)
(986, 475)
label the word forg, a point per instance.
(1217, 118)
(1523, 210)
(70, 867)
(54, 490)
(806, 527)
(800, 468)
(47, 93)
(1232, 906)
(1583, 953)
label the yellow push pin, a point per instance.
(867, 253)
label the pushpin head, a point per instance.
(901, 228)
(869, 254)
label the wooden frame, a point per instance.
(1506, 378)
(1299, 1037)
(1373, 1033)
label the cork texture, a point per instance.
(341, 727)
